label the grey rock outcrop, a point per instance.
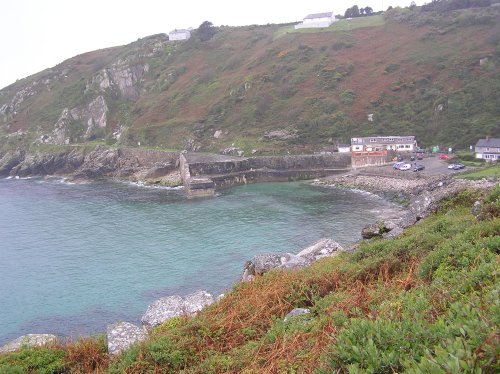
(9, 161)
(30, 340)
(282, 134)
(372, 230)
(175, 306)
(97, 111)
(476, 208)
(296, 312)
(263, 263)
(122, 335)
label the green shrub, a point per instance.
(39, 360)
(347, 97)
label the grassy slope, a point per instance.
(425, 302)
(250, 80)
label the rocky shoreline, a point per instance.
(81, 164)
(424, 197)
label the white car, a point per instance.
(451, 166)
(405, 167)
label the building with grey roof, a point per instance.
(488, 149)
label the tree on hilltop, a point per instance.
(352, 12)
(206, 31)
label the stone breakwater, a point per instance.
(382, 185)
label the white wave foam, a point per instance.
(141, 184)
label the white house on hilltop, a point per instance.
(316, 21)
(179, 34)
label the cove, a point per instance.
(74, 258)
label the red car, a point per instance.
(443, 157)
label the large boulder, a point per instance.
(175, 306)
(267, 261)
(372, 230)
(295, 313)
(263, 263)
(122, 335)
(30, 340)
(323, 248)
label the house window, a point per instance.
(373, 140)
(407, 146)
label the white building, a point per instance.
(179, 35)
(384, 143)
(488, 149)
(344, 148)
(316, 21)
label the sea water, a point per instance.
(74, 258)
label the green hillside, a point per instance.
(270, 89)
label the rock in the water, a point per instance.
(296, 312)
(174, 306)
(30, 340)
(122, 335)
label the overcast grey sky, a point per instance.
(38, 34)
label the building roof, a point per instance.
(488, 142)
(344, 145)
(179, 31)
(319, 15)
(383, 139)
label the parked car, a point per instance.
(412, 158)
(443, 157)
(420, 156)
(397, 165)
(451, 166)
(418, 167)
(458, 167)
(405, 167)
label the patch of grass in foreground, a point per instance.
(489, 172)
(424, 302)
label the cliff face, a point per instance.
(94, 163)
(267, 89)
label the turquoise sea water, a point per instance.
(74, 258)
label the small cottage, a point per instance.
(488, 149)
(317, 20)
(179, 35)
